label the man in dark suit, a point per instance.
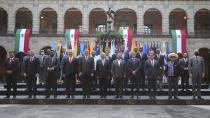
(196, 69)
(11, 68)
(184, 72)
(125, 56)
(160, 59)
(142, 57)
(52, 67)
(86, 68)
(109, 70)
(114, 56)
(134, 66)
(69, 73)
(102, 71)
(173, 74)
(118, 73)
(31, 72)
(152, 71)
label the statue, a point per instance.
(110, 18)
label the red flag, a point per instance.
(88, 47)
(136, 43)
(151, 46)
(70, 46)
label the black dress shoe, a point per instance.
(116, 96)
(169, 97)
(176, 98)
(200, 98)
(88, 97)
(194, 98)
(84, 97)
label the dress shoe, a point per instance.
(194, 98)
(169, 97)
(176, 98)
(84, 97)
(88, 97)
(14, 97)
(200, 98)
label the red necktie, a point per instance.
(10, 61)
(70, 60)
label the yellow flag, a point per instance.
(91, 48)
(75, 49)
(132, 47)
(58, 49)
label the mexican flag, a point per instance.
(127, 36)
(72, 36)
(178, 41)
(22, 40)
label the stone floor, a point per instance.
(103, 111)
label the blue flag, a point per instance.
(167, 49)
(147, 48)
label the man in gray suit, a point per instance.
(196, 70)
(52, 67)
(152, 73)
(118, 72)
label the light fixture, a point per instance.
(42, 17)
(185, 17)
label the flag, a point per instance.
(178, 41)
(128, 49)
(91, 48)
(112, 48)
(132, 47)
(154, 47)
(118, 46)
(95, 48)
(82, 48)
(66, 46)
(75, 49)
(71, 35)
(22, 40)
(167, 49)
(157, 46)
(136, 44)
(58, 48)
(147, 48)
(127, 37)
(150, 46)
(53, 48)
(160, 47)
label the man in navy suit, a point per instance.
(134, 66)
(69, 69)
(11, 68)
(152, 71)
(102, 73)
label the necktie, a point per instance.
(70, 60)
(31, 59)
(10, 61)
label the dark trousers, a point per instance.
(118, 86)
(70, 82)
(134, 84)
(51, 83)
(142, 79)
(185, 80)
(32, 88)
(172, 84)
(152, 82)
(94, 81)
(196, 84)
(86, 84)
(103, 86)
(11, 83)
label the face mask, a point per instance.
(42, 53)
(196, 53)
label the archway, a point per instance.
(202, 24)
(3, 21)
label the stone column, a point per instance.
(165, 20)
(60, 19)
(36, 20)
(11, 19)
(140, 20)
(190, 20)
(85, 20)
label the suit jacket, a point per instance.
(160, 60)
(31, 68)
(176, 67)
(51, 62)
(184, 64)
(125, 56)
(13, 67)
(150, 71)
(117, 70)
(86, 67)
(102, 70)
(133, 65)
(70, 69)
(142, 59)
(196, 66)
(114, 57)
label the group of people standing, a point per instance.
(137, 66)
